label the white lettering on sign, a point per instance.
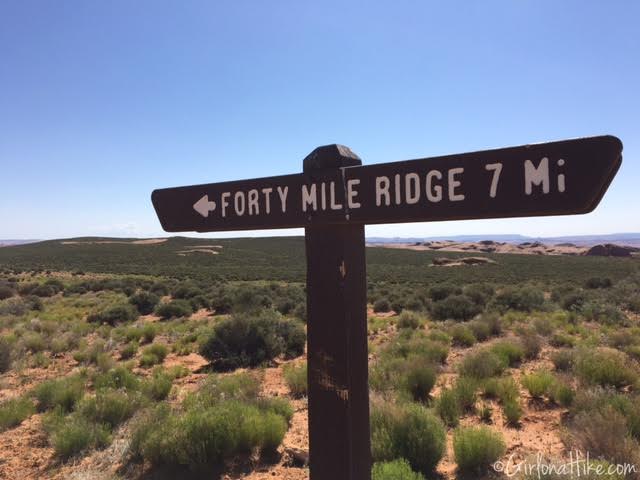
(412, 187)
(496, 168)
(283, 192)
(382, 189)
(309, 197)
(239, 203)
(352, 193)
(252, 201)
(536, 175)
(267, 199)
(453, 184)
(408, 190)
(397, 189)
(224, 199)
(434, 192)
(561, 177)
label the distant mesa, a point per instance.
(611, 250)
(458, 262)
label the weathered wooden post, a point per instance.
(339, 440)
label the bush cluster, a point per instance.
(250, 340)
(221, 421)
(476, 448)
(296, 378)
(114, 315)
(407, 431)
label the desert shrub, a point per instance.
(5, 355)
(408, 319)
(240, 386)
(442, 291)
(543, 326)
(419, 346)
(598, 282)
(562, 359)
(462, 335)
(244, 340)
(153, 354)
(448, 408)
(485, 413)
(14, 411)
(538, 383)
(159, 288)
(63, 393)
(186, 291)
(480, 293)
(34, 342)
(481, 330)
(43, 291)
(158, 386)
(510, 352)
(505, 389)
(407, 431)
(476, 448)
(6, 292)
(394, 470)
(174, 309)
(524, 299)
(561, 393)
(382, 305)
(420, 379)
(145, 302)
(293, 337)
(63, 343)
(109, 407)
(482, 364)
(602, 434)
(604, 313)
(118, 378)
(206, 436)
(456, 307)
(492, 320)
(114, 315)
(531, 343)
(573, 301)
(560, 339)
(465, 389)
(603, 400)
(633, 303)
(129, 350)
(296, 378)
(14, 306)
(605, 367)
(74, 434)
(512, 412)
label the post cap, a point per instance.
(330, 156)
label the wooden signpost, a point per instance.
(333, 198)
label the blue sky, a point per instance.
(101, 102)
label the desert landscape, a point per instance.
(198, 370)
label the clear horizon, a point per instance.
(102, 103)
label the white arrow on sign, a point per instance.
(204, 206)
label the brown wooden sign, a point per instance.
(333, 199)
(557, 178)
